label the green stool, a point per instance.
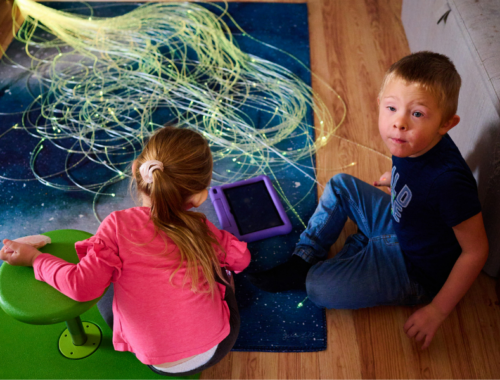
(35, 302)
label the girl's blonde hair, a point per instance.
(187, 163)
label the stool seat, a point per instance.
(35, 302)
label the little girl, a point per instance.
(172, 305)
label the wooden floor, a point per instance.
(353, 42)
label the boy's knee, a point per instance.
(322, 290)
(339, 180)
(328, 286)
(315, 293)
(337, 184)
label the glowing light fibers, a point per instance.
(103, 78)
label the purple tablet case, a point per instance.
(246, 218)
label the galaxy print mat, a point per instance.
(269, 322)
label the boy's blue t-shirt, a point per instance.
(431, 194)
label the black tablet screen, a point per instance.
(252, 207)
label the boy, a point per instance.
(426, 242)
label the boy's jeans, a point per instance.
(370, 269)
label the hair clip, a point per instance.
(148, 168)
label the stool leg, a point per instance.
(76, 331)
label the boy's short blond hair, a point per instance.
(434, 72)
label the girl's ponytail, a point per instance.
(187, 170)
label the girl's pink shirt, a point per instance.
(158, 321)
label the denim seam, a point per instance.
(308, 253)
(384, 237)
(354, 207)
(328, 219)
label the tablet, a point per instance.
(250, 209)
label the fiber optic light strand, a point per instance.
(101, 80)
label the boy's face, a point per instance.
(410, 119)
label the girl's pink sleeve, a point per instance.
(99, 265)
(237, 254)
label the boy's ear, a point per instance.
(449, 125)
(196, 200)
(134, 166)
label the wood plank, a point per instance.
(478, 317)
(341, 359)
(289, 366)
(254, 365)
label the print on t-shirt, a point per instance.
(401, 200)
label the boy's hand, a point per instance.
(424, 323)
(19, 254)
(385, 180)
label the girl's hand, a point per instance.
(424, 323)
(385, 180)
(19, 254)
